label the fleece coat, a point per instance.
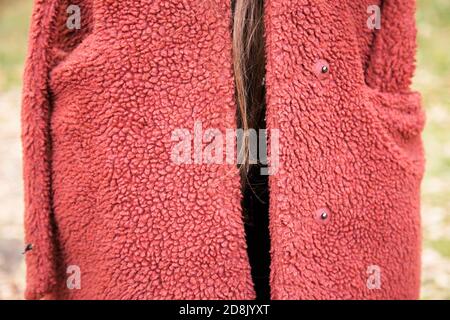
(109, 213)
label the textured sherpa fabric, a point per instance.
(101, 191)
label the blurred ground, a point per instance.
(432, 80)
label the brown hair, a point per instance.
(248, 65)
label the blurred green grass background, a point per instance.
(432, 80)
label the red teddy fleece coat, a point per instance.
(102, 193)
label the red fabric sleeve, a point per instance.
(392, 60)
(39, 230)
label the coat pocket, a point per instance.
(73, 66)
(400, 119)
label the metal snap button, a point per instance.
(322, 69)
(322, 215)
